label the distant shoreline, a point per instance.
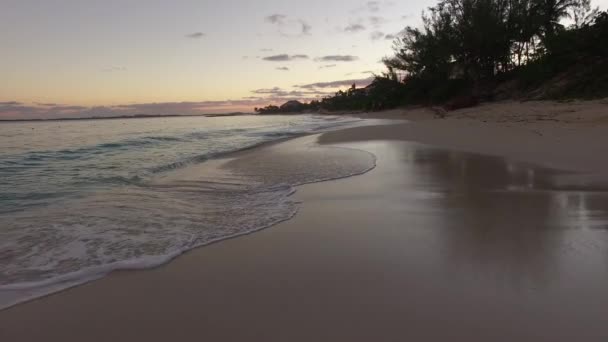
(139, 116)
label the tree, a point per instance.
(465, 48)
(552, 12)
(583, 15)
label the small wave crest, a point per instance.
(129, 228)
(143, 222)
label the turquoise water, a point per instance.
(79, 199)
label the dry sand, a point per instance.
(569, 135)
(432, 245)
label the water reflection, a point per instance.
(493, 187)
(508, 222)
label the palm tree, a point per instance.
(551, 12)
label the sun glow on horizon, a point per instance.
(84, 55)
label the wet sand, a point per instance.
(431, 245)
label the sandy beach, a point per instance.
(490, 224)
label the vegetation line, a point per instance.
(482, 50)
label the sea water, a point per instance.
(79, 199)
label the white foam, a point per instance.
(138, 227)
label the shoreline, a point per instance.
(142, 293)
(84, 276)
(548, 133)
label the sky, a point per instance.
(68, 58)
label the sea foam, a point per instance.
(147, 221)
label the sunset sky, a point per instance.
(82, 58)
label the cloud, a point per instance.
(276, 18)
(354, 28)
(11, 110)
(114, 69)
(266, 50)
(337, 84)
(306, 28)
(390, 37)
(195, 35)
(328, 66)
(23, 111)
(68, 108)
(368, 72)
(168, 107)
(337, 58)
(278, 94)
(393, 36)
(289, 27)
(283, 68)
(274, 90)
(377, 35)
(373, 6)
(175, 108)
(285, 58)
(18, 110)
(377, 21)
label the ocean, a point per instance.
(79, 199)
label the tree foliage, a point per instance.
(467, 43)
(475, 39)
(466, 48)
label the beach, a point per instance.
(490, 224)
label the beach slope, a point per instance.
(475, 235)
